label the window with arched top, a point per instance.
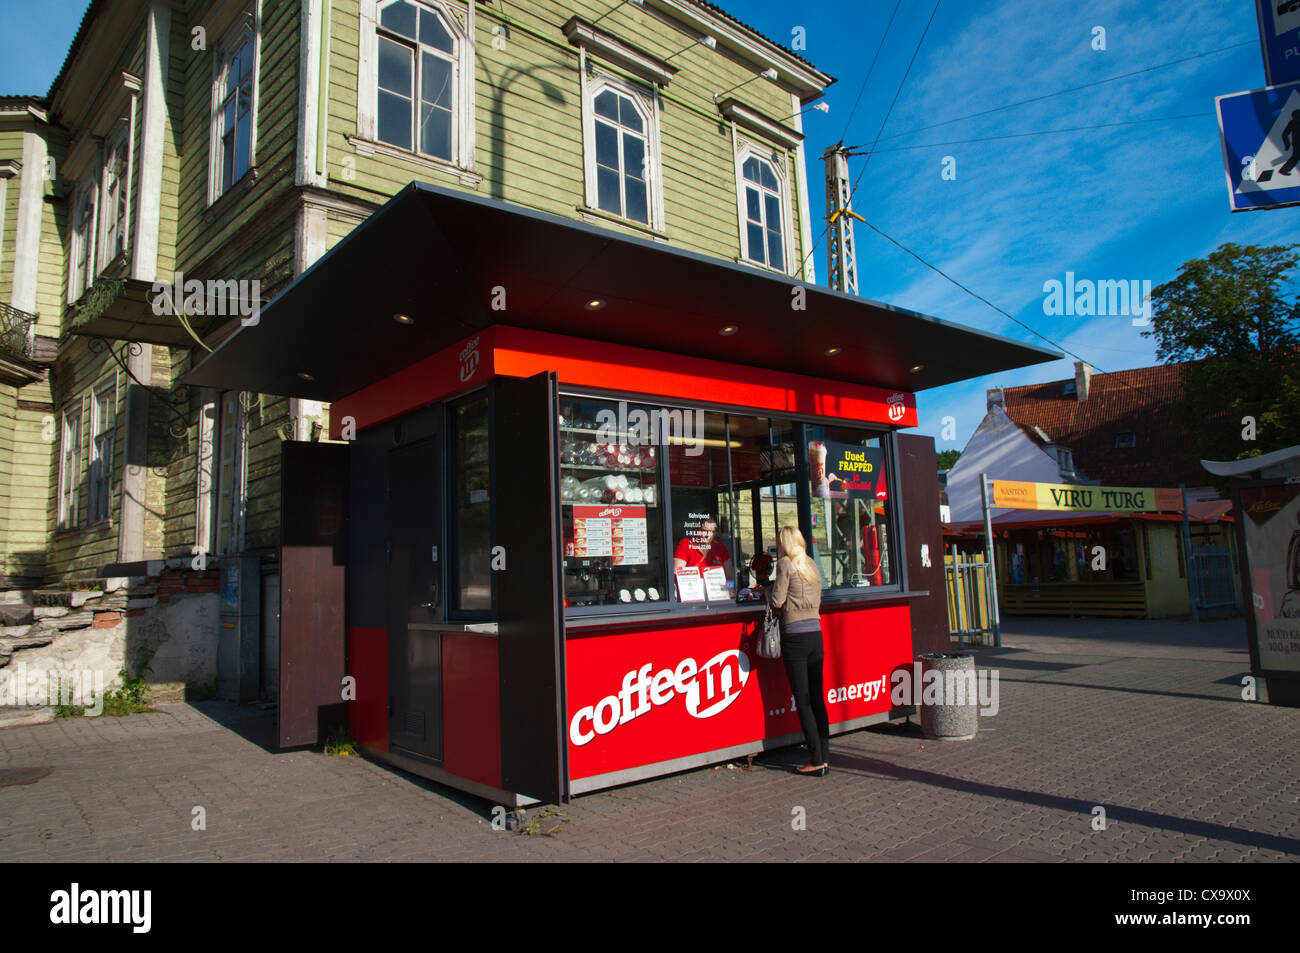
(415, 80)
(621, 171)
(763, 213)
(621, 138)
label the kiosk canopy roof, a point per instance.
(455, 263)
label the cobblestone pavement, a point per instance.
(1124, 719)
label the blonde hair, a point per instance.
(793, 546)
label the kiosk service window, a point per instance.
(681, 507)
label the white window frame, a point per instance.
(103, 425)
(115, 225)
(776, 161)
(7, 170)
(70, 431)
(367, 142)
(646, 99)
(229, 503)
(247, 26)
(82, 261)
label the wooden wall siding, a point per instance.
(268, 422)
(166, 438)
(181, 486)
(203, 231)
(528, 108)
(169, 204)
(52, 279)
(50, 275)
(267, 253)
(31, 461)
(11, 148)
(85, 549)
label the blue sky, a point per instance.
(1126, 202)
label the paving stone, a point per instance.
(1126, 718)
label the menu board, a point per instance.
(615, 531)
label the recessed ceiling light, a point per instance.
(403, 319)
(832, 351)
(305, 376)
(595, 304)
(916, 368)
(729, 330)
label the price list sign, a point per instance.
(618, 532)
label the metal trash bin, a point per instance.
(955, 714)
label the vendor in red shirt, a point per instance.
(704, 551)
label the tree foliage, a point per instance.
(1231, 315)
(947, 459)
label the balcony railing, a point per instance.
(15, 331)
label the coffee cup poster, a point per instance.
(840, 471)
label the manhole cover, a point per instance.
(9, 777)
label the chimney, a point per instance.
(995, 399)
(1082, 377)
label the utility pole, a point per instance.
(840, 247)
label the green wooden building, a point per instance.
(193, 157)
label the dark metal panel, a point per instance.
(415, 597)
(452, 249)
(918, 489)
(313, 583)
(525, 492)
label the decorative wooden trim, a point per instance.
(588, 37)
(781, 168)
(144, 255)
(369, 147)
(760, 124)
(27, 230)
(593, 80)
(807, 265)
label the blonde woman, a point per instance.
(797, 592)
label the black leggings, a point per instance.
(802, 653)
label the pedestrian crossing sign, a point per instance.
(1260, 134)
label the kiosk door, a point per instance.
(414, 600)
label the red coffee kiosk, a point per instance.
(527, 567)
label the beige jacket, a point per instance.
(800, 600)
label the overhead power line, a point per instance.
(979, 297)
(1047, 132)
(863, 88)
(1072, 89)
(898, 91)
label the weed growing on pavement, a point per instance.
(63, 710)
(535, 825)
(133, 697)
(341, 744)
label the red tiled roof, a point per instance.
(1140, 400)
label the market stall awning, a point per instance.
(454, 263)
(1200, 512)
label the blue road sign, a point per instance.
(1260, 133)
(1279, 36)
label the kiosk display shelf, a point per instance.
(609, 494)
